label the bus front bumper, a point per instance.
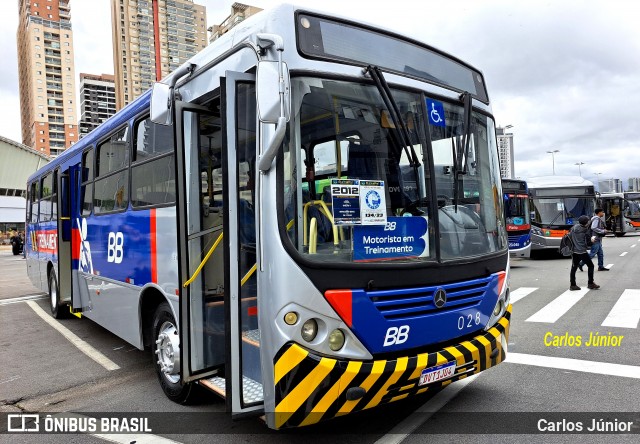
(310, 388)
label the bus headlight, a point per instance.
(336, 339)
(503, 299)
(291, 318)
(498, 308)
(309, 330)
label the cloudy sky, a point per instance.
(564, 73)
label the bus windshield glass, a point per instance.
(352, 191)
(559, 211)
(516, 211)
(633, 205)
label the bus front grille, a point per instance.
(417, 302)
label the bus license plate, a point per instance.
(433, 374)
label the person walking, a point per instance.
(579, 235)
(599, 230)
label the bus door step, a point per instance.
(252, 390)
(252, 337)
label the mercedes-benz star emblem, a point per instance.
(440, 298)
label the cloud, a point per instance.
(565, 74)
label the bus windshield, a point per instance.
(353, 192)
(516, 211)
(560, 211)
(633, 205)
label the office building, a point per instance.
(505, 151)
(151, 38)
(46, 75)
(634, 184)
(610, 186)
(97, 100)
(239, 12)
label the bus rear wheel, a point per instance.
(57, 308)
(166, 356)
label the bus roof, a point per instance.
(557, 181)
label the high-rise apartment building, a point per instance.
(239, 12)
(97, 100)
(46, 75)
(634, 184)
(151, 38)
(505, 150)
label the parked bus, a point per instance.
(632, 213)
(616, 208)
(305, 218)
(556, 204)
(517, 217)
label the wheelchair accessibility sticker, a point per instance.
(435, 110)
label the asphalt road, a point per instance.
(42, 371)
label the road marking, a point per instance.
(633, 246)
(33, 297)
(424, 412)
(520, 293)
(551, 312)
(11, 379)
(128, 438)
(578, 365)
(608, 266)
(626, 312)
(624, 253)
(75, 340)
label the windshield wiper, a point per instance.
(398, 122)
(461, 159)
(560, 213)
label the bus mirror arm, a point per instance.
(267, 158)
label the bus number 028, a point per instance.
(468, 321)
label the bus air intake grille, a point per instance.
(418, 302)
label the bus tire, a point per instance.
(166, 353)
(58, 310)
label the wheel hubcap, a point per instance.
(168, 351)
(54, 295)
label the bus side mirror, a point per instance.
(274, 98)
(161, 104)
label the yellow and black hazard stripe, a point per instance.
(310, 388)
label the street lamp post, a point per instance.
(579, 169)
(553, 159)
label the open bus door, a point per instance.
(219, 335)
(79, 249)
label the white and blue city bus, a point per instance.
(305, 218)
(556, 204)
(517, 216)
(617, 210)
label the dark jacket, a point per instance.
(579, 235)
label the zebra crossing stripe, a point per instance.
(626, 312)
(554, 310)
(520, 293)
(577, 365)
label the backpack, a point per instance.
(566, 244)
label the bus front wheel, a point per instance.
(166, 356)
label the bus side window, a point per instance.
(152, 171)
(87, 182)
